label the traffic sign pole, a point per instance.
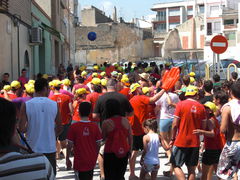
(219, 45)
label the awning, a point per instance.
(53, 31)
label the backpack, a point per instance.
(120, 146)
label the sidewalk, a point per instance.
(63, 174)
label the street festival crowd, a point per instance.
(113, 113)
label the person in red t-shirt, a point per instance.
(65, 109)
(85, 138)
(139, 103)
(93, 97)
(80, 96)
(189, 115)
(212, 151)
(126, 90)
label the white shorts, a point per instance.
(229, 162)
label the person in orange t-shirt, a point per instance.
(65, 109)
(189, 115)
(139, 103)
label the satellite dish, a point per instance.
(92, 36)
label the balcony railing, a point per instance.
(4, 5)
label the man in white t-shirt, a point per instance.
(167, 105)
(40, 120)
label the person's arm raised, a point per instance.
(157, 96)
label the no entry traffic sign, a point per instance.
(219, 44)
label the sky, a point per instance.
(127, 9)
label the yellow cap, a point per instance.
(15, 85)
(96, 81)
(81, 91)
(192, 80)
(104, 82)
(134, 86)
(50, 83)
(31, 82)
(125, 76)
(7, 88)
(45, 76)
(211, 106)
(84, 73)
(103, 74)
(66, 82)
(29, 88)
(96, 67)
(192, 74)
(94, 75)
(145, 90)
(191, 90)
(82, 67)
(56, 83)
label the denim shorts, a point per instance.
(150, 167)
(165, 125)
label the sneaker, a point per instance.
(167, 173)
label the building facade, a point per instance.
(169, 16)
(221, 17)
(115, 41)
(15, 52)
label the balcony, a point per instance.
(4, 5)
(159, 35)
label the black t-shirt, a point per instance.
(100, 107)
(5, 83)
(206, 99)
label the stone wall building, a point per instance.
(115, 42)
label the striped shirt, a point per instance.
(18, 166)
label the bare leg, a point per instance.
(154, 175)
(179, 173)
(63, 147)
(142, 174)
(191, 172)
(205, 172)
(101, 165)
(132, 162)
(165, 136)
(58, 149)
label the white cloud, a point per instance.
(107, 7)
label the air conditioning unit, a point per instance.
(36, 36)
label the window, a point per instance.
(217, 26)
(214, 9)
(161, 16)
(161, 27)
(228, 21)
(173, 25)
(190, 11)
(201, 9)
(231, 35)
(174, 12)
(209, 28)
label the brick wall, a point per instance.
(21, 8)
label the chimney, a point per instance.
(115, 14)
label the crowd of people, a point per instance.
(112, 113)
